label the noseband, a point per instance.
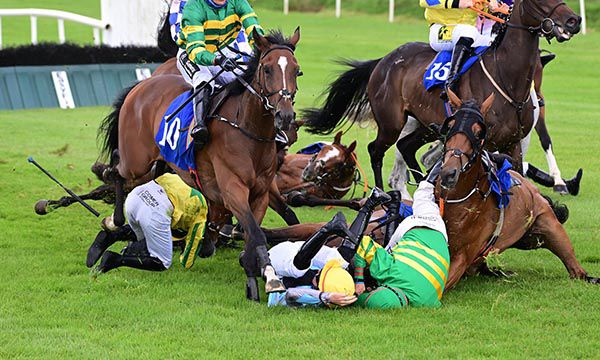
(465, 118)
(546, 26)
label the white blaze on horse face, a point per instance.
(283, 64)
(331, 154)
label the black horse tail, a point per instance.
(346, 99)
(165, 42)
(108, 133)
(560, 210)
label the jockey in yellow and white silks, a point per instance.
(453, 28)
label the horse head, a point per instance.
(335, 160)
(464, 133)
(276, 75)
(552, 18)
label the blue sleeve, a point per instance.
(295, 297)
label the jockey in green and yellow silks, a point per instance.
(208, 28)
(453, 27)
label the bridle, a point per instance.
(336, 175)
(465, 118)
(546, 26)
(283, 92)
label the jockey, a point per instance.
(302, 266)
(413, 268)
(155, 211)
(208, 27)
(453, 27)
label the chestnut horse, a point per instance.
(475, 224)
(393, 85)
(237, 167)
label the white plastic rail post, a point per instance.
(34, 33)
(286, 7)
(61, 31)
(391, 17)
(338, 8)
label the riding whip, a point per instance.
(75, 196)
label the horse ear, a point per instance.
(300, 123)
(296, 37)
(455, 101)
(261, 42)
(352, 147)
(338, 138)
(487, 104)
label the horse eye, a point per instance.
(267, 70)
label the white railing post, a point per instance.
(286, 7)
(582, 12)
(34, 34)
(338, 8)
(61, 31)
(0, 33)
(391, 17)
(96, 36)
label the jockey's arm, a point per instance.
(363, 258)
(192, 28)
(194, 237)
(248, 18)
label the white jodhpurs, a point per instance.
(444, 37)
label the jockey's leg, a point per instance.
(359, 225)
(393, 211)
(197, 76)
(310, 248)
(462, 51)
(135, 255)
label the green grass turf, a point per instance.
(50, 307)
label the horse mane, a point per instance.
(275, 37)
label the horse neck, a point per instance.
(253, 116)
(516, 57)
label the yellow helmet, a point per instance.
(335, 279)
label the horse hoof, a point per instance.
(592, 280)
(274, 286)
(207, 249)
(561, 189)
(41, 207)
(252, 289)
(573, 184)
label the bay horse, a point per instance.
(393, 87)
(475, 224)
(236, 169)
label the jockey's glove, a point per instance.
(225, 63)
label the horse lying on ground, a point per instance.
(476, 225)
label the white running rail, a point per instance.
(61, 16)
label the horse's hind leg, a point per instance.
(103, 192)
(388, 131)
(553, 237)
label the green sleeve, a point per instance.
(192, 29)
(248, 17)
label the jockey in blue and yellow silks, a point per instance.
(452, 27)
(207, 28)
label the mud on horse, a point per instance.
(475, 223)
(237, 168)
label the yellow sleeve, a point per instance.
(193, 239)
(439, 4)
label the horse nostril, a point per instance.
(573, 24)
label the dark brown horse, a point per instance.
(475, 224)
(393, 85)
(237, 168)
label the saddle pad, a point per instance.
(501, 182)
(437, 72)
(174, 139)
(312, 148)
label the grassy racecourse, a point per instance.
(51, 307)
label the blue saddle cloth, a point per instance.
(174, 139)
(437, 72)
(501, 182)
(312, 149)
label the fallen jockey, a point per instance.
(155, 211)
(314, 274)
(208, 28)
(413, 269)
(453, 28)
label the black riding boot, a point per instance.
(310, 248)
(393, 212)
(359, 225)
(104, 240)
(200, 130)
(462, 52)
(135, 255)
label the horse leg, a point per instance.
(277, 203)
(408, 147)
(297, 199)
(458, 266)
(553, 237)
(102, 192)
(399, 175)
(388, 131)
(542, 131)
(299, 232)
(517, 156)
(255, 259)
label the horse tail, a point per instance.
(346, 99)
(108, 133)
(560, 210)
(165, 41)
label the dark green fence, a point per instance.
(29, 87)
